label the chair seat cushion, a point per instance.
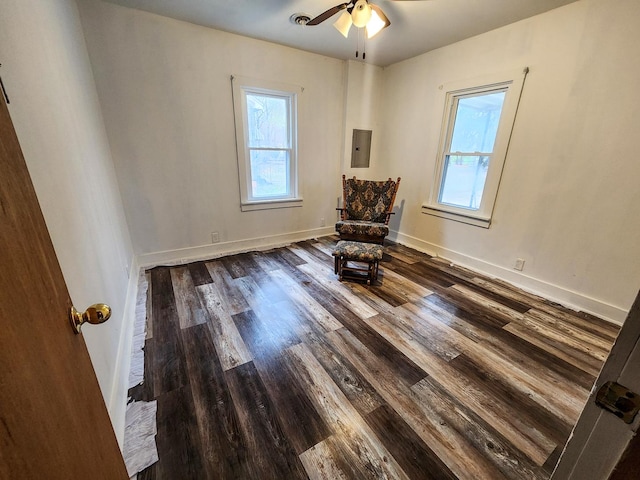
(359, 227)
(362, 252)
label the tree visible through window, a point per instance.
(269, 145)
(266, 136)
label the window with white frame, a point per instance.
(476, 129)
(266, 137)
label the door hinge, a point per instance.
(619, 400)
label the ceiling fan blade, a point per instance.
(328, 14)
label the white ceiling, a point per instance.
(417, 26)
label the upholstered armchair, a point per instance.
(366, 209)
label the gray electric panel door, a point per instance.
(360, 148)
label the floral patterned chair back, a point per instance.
(367, 207)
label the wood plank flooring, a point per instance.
(265, 366)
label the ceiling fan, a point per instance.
(359, 13)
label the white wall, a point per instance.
(56, 114)
(363, 106)
(569, 200)
(165, 91)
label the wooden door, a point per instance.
(53, 420)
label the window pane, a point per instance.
(269, 173)
(463, 180)
(476, 122)
(268, 122)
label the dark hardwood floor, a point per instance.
(265, 366)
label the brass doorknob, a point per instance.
(95, 314)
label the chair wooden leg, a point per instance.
(340, 262)
(365, 260)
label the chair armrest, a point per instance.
(388, 214)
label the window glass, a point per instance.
(266, 140)
(474, 128)
(463, 180)
(476, 122)
(478, 119)
(268, 121)
(269, 173)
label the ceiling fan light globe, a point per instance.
(375, 24)
(361, 13)
(343, 24)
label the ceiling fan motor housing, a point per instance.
(361, 13)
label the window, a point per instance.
(266, 137)
(476, 129)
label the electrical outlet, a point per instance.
(215, 237)
(519, 265)
(322, 222)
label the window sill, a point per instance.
(476, 221)
(249, 206)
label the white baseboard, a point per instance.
(553, 292)
(556, 293)
(214, 250)
(118, 401)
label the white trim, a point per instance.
(120, 386)
(512, 82)
(241, 86)
(269, 204)
(443, 213)
(204, 252)
(556, 293)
